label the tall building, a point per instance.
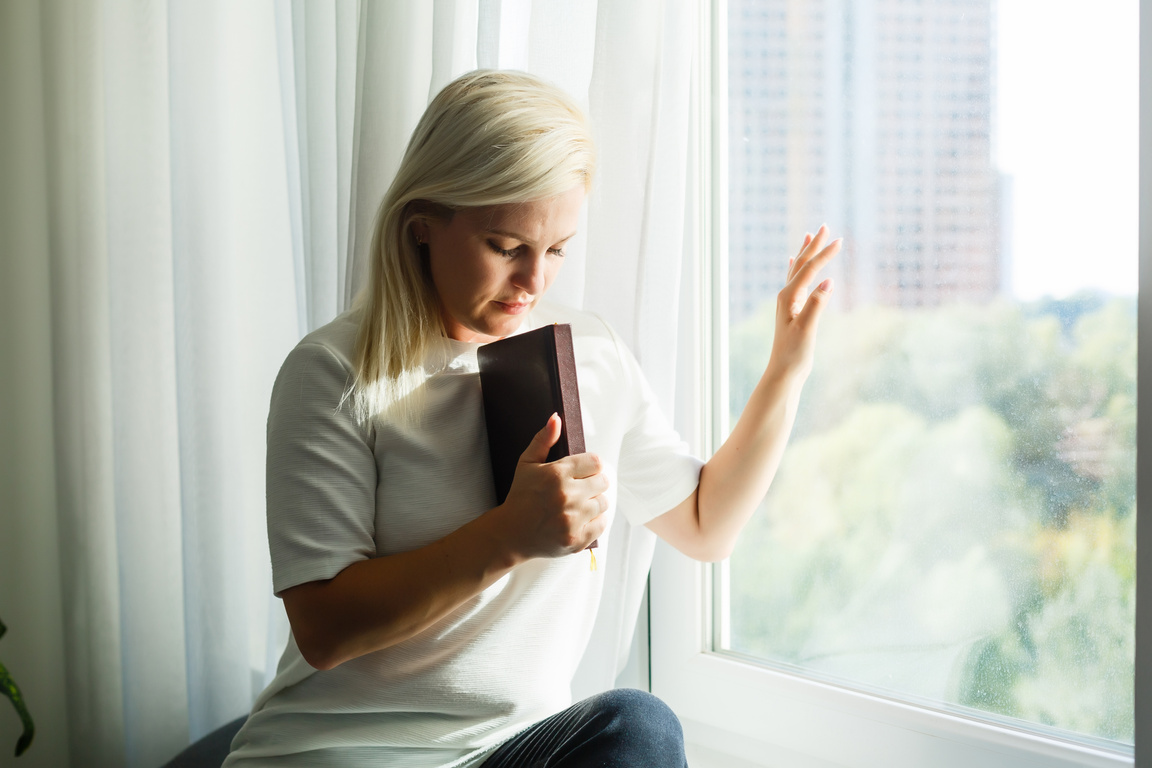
(875, 116)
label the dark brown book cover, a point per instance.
(525, 379)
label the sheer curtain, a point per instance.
(187, 188)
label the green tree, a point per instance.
(942, 461)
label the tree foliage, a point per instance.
(954, 518)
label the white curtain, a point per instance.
(186, 188)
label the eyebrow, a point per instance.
(521, 238)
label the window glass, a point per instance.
(954, 519)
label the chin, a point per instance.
(490, 325)
(500, 327)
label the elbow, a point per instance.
(719, 555)
(715, 544)
(319, 654)
(700, 543)
(713, 553)
(706, 550)
(310, 624)
(318, 658)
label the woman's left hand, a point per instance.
(798, 311)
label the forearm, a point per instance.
(734, 481)
(373, 604)
(736, 478)
(553, 509)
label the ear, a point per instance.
(423, 216)
(420, 230)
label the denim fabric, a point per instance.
(622, 728)
(210, 751)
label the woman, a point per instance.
(430, 626)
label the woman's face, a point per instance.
(491, 265)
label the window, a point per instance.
(944, 570)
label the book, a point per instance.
(524, 380)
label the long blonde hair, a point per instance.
(488, 138)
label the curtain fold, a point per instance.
(236, 317)
(82, 399)
(144, 452)
(639, 96)
(210, 174)
(30, 574)
(393, 38)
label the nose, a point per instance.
(529, 275)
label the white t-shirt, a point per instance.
(339, 492)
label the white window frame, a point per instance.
(740, 714)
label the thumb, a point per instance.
(817, 300)
(537, 450)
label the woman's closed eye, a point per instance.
(513, 252)
(503, 251)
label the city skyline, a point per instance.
(935, 137)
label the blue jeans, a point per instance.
(622, 728)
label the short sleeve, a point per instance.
(321, 472)
(656, 471)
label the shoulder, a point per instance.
(336, 339)
(324, 354)
(319, 369)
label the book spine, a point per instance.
(569, 391)
(569, 396)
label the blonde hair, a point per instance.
(488, 138)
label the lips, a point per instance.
(513, 307)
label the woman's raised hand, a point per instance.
(733, 483)
(797, 310)
(554, 508)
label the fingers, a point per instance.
(560, 505)
(584, 464)
(591, 490)
(592, 486)
(585, 479)
(595, 522)
(594, 529)
(542, 442)
(812, 246)
(807, 273)
(795, 292)
(817, 300)
(792, 261)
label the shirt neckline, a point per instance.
(452, 355)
